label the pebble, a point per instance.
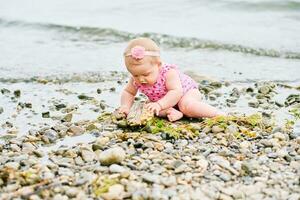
(151, 178)
(114, 168)
(211, 166)
(50, 136)
(217, 129)
(116, 192)
(112, 156)
(88, 155)
(76, 130)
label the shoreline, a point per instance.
(70, 163)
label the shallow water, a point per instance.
(226, 39)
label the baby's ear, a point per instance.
(158, 63)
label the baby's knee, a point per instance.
(185, 107)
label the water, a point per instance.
(226, 39)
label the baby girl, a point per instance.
(171, 93)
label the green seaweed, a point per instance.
(223, 121)
(176, 131)
(295, 112)
(102, 184)
(246, 124)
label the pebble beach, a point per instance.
(62, 71)
(55, 144)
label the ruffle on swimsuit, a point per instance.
(159, 90)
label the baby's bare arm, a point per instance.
(174, 88)
(128, 94)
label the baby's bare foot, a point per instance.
(174, 115)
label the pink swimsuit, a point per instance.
(158, 90)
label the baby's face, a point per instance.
(143, 71)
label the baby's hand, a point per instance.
(124, 109)
(153, 107)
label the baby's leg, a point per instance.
(191, 105)
(171, 113)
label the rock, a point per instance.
(114, 168)
(91, 127)
(202, 164)
(46, 114)
(13, 165)
(67, 118)
(225, 177)
(222, 162)
(65, 172)
(264, 90)
(28, 147)
(245, 145)
(60, 106)
(231, 129)
(151, 178)
(79, 161)
(217, 129)
(87, 155)
(72, 192)
(84, 97)
(253, 104)
(139, 114)
(198, 194)
(1, 110)
(17, 93)
(181, 169)
(115, 192)
(292, 99)
(169, 181)
(250, 167)
(102, 141)
(50, 136)
(5, 91)
(76, 130)
(112, 156)
(280, 136)
(60, 197)
(84, 177)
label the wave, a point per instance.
(88, 77)
(117, 76)
(113, 35)
(263, 6)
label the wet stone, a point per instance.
(50, 136)
(76, 130)
(17, 93)
(253, 104)
(46, 114)
(5, 91)
(84, 97)
(67, 118)
(60, 106)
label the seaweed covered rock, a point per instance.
(137, 116)
(237, 127)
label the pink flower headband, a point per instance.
(139, 52)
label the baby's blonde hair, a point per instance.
(147, 43)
